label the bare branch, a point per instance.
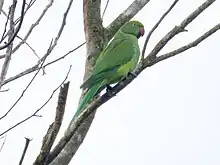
(36, 66)
(1, 5)
(34, 25)
(17, 29)
(5, 90)
(188, 46)
(30, 47)
(18, 19)
(6, 23)
(54, 128)
(35, 113)
(62, 57)
(177, 29)
(27, 141)
(155, 27)
(106, 6)
(29, 5)
(23, 92)
(125, 16)
(6, 63)
(3, 142)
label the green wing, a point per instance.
(117, 53)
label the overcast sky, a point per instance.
(168, 116)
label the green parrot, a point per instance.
(116, 61)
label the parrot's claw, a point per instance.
(109, 90)
(132, 74)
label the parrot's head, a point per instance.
(135, 28)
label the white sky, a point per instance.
(169, 115)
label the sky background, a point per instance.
(169, 115)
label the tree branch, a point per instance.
(178, 29)
(106, 6)
(36, 66)
(27, 141)
(33, 26)
(1, 5)
(26, 88)
(95, 42)
(3, 143)
(17, 29)
(6, 63)
(125, 16)
(54, 128)
(35, 113)
(155, 27)
(188, 46)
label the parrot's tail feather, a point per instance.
(87, 98)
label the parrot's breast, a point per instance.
(124, 69)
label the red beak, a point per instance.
(142, 31)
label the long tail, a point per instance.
(87, 98)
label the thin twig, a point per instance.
(36, 66)
(6, 23)
(5, 90)
(29, 5)
(18, 19)
(178, 29)
(26, 88)
(3, 142)
(17, 29)
(106, 6)
(35, 113)
(155, 27)
(30, 47)
(27, 141)
(62, 57)
(33, 26)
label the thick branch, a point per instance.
(125, 16)
(41, 107)
(9, 47)
(54, 128)
(95, 42)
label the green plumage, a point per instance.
(115, 62)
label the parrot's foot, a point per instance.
(132, 74)
(109, 90)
